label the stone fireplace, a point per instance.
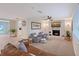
(56, 32)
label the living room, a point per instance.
(45, 27)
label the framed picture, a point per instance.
(35, 25)
(56, 24)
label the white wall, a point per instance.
(45, 26)
(29, 30)
(21, 34)
(76, 31)
(68, 25)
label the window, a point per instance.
(4, 27)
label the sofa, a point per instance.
(11, 50)
(37, 38)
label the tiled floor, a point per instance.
(57, 46)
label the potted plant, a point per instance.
(68, 35)
(13, 32)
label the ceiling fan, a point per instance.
(47, 18)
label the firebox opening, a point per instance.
(56, 32)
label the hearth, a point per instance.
(56, 32)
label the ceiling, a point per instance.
(31, 10)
